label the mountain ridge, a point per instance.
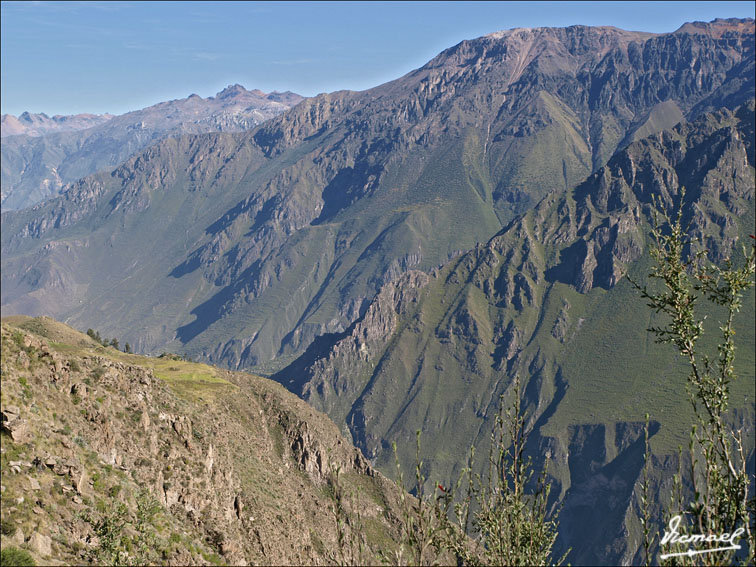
(370, 173)
(41, 124)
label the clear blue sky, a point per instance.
(70, 57)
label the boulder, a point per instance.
(41, 544)
(79, 389)
(18, 428)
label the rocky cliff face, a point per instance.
(547, 299)
(48, 154)
(273, 238)
(202, 465)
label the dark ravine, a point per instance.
(547, 299)
(272, 238)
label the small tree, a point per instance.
(115, 344)
(718, 461)
(423, 521)
(512, 523)
(127, 348)
(502, 518)
(95, 335)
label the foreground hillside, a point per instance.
(260, 242)
(547, 299)
(170, 461)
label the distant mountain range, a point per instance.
(41, 155)
(397, 255)
(41, 124)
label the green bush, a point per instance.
(16, 557)
(18, 338)
(7, 528)
(27, 391)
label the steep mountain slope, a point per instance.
(547, 299)
(269, 239)
(41, 124)
(39, 164)
(203, 466)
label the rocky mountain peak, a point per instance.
(41, 124)
(517, 48)
(232, 91)
(86, 143)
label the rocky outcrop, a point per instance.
(330, 380)
(15, 425)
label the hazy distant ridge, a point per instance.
(40, 155)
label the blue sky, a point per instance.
(70, 57)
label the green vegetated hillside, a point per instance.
(547, 299)
(241, 249)
(112, 458)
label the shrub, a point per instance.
(18, 338)
(16, 557)
(7, 528)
